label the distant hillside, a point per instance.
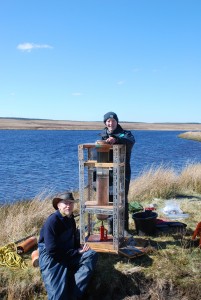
(46, 124)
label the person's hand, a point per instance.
(111, 140)
(84, 249)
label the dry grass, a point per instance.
(34, 124)
(24, 218)
(155, 183)
(171, 270)
(190, 178)
(191, 135)
(164, 183)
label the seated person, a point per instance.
(66, 267)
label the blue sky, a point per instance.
(78, 59)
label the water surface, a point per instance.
(35, 161)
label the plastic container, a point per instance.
(145, 222)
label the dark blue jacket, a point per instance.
(59, 236)
(124, 137)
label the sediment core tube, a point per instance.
(102, 189)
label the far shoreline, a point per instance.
(40, 124)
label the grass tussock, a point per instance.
(23, 218)
(190, 178)
(171, 270)
(164, 183)
(155, 183)
(191, 135)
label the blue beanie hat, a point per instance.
(109, 115)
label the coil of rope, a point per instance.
(10, 258)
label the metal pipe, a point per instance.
(26, 245)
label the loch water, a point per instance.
(37, 161)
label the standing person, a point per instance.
(113, 133)
(66, 267)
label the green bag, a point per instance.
(134, 206)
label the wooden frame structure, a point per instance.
(89, 207)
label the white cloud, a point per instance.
(76, 94)
(30, 46)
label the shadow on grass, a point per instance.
(187, 196)
(110, 283)
(178, 236)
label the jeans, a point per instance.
(67, 280)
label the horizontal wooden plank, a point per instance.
(94, 204)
